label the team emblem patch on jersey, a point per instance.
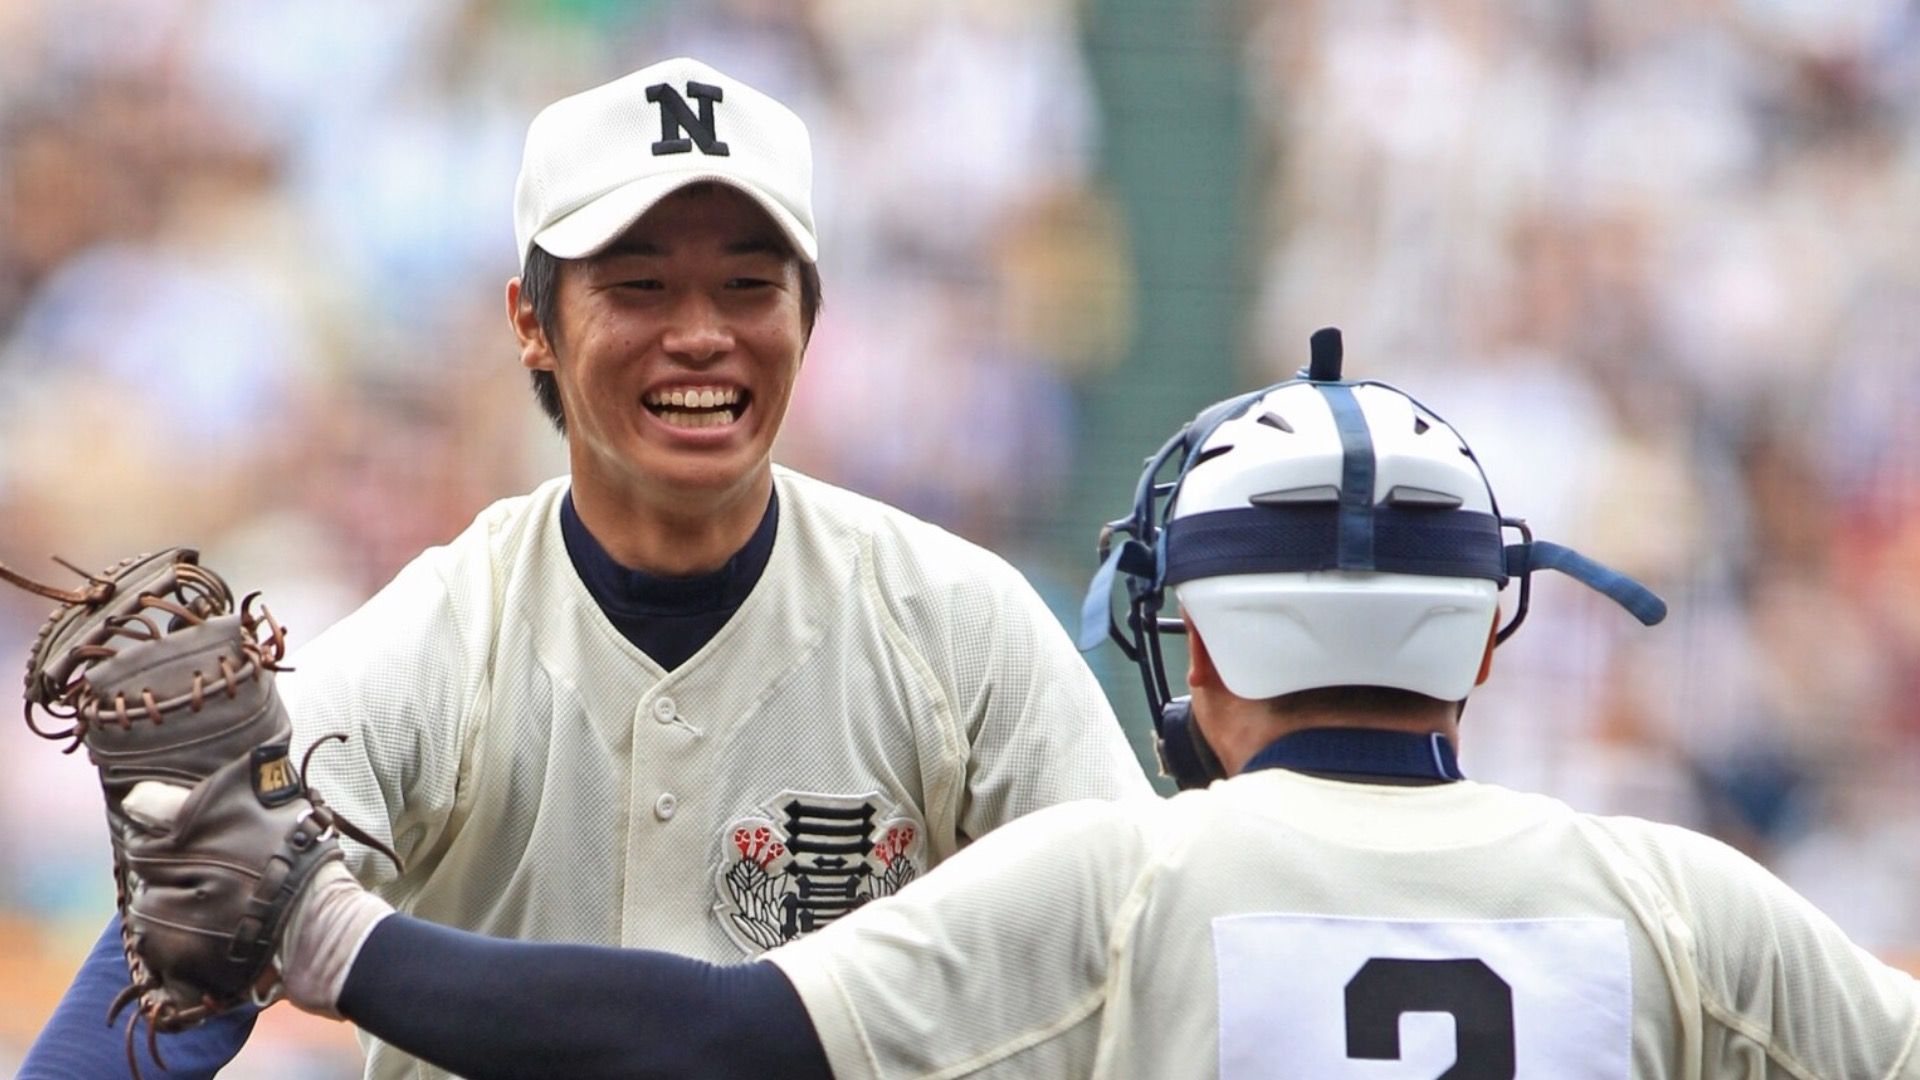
(809, 860)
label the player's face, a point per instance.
(677, 350)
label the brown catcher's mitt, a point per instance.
(163, 680)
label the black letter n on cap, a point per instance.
(677, 119)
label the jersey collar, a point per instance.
(625, 592)
(1362, 752)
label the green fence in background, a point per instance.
(1176, 158)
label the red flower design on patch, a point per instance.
(758, 845)
(895, 844)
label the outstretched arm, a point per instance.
(78, 1041)
(483, 1007)
(237, 876)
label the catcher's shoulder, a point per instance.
(1672, 854)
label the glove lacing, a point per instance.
(191, 597)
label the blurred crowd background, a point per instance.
(1658, 259)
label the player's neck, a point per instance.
(668, 537)
(1238, 728)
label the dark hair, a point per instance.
(540, 290)
(1374, 700)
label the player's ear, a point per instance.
(1200, 669)
(808, 276)
(536, 354)
(1486, 658)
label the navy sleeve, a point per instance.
(78, 1044)
(483, 1008)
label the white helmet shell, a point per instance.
(1277, 633)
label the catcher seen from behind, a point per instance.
(171, 689)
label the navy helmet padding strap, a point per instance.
(1293, 539)
(1357, 513)
(1640, 601)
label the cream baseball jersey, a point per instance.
(886, 693)
(1277, 924)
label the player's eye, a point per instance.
(647, 284)
(748, 283)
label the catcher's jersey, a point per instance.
(886, 692)
(1283, 925)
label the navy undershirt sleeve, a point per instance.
(483, 1007)
(78, 1044)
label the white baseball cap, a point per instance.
(598, 160)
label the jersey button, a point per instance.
(665, 805)
(663, 710)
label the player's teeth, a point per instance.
(707, 398)
(698, 419)
(725, 399)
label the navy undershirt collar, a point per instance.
(668, 618)
(1362, 752)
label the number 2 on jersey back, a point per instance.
(1480, 1002)
(1321, 996)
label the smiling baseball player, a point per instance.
(682, 698)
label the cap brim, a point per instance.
(593, 226)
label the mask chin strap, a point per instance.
(1184, 753)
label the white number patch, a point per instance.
(1381, 999)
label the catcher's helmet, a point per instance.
(1320, 533)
